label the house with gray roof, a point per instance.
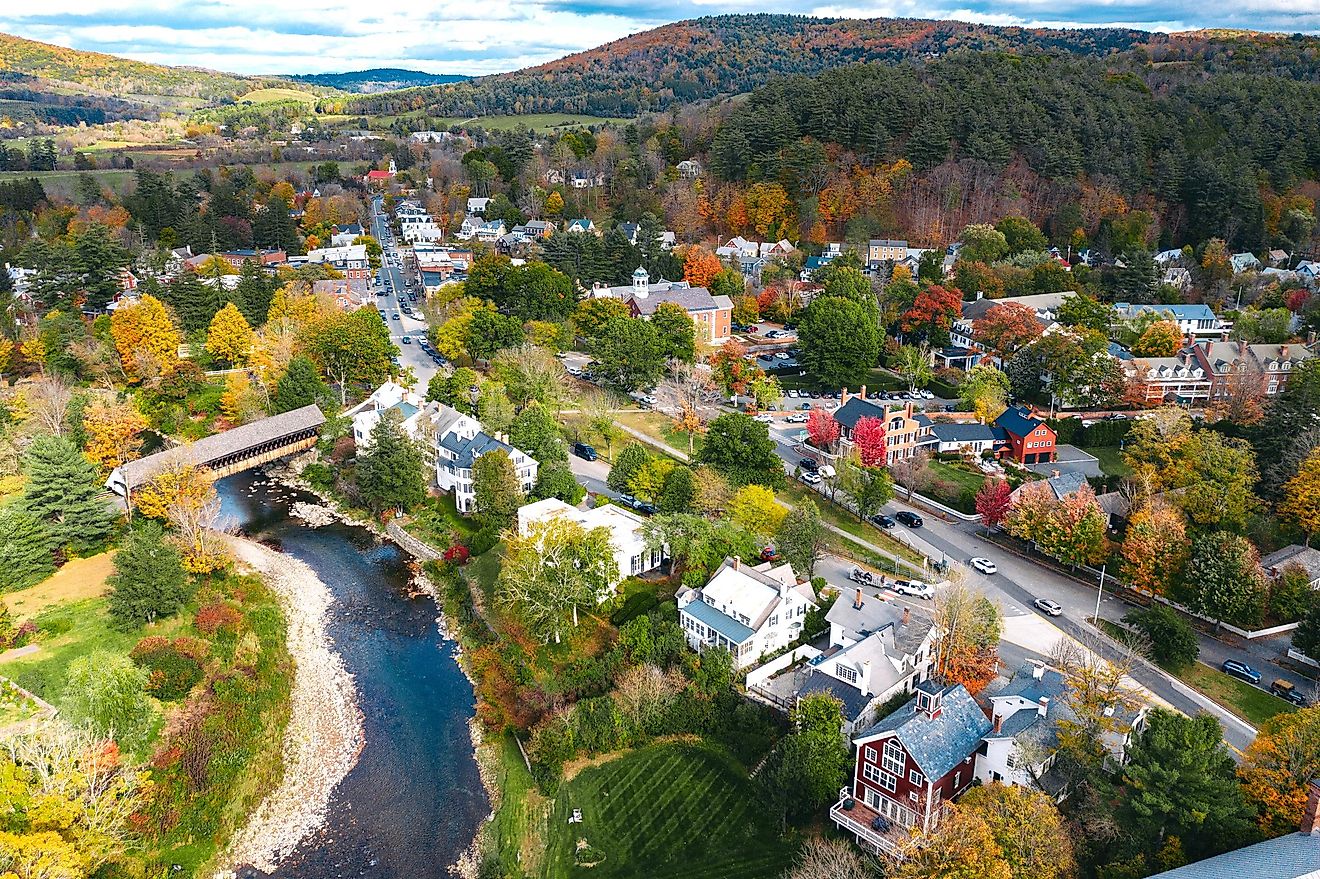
(910, 763)
(712, 315)
(748, 610)
(1025, 717)
(459, 442)
(1305, 557)
(970, 438)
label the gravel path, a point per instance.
(324, 735)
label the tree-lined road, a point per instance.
(391, 278)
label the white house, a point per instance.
(1196, 319)
(627, 532)
(747, 610)
(1023, 740)
(388, 396)
(738, 247)
(459, 442)
(878, 648)
(1244, 262)
(491, 231)
(689, 169)
(970, 438)
(343, 236)
(352, 260)
(477, 206)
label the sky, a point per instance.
(490, 36)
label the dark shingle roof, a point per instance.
(963, 433)
(856, 409)
(854, 702)
(1017, 421)
(939, 743)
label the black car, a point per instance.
(883, 521)
(1240, 670)
(584, 451)
(912, 520)
(809, 464)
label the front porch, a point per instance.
(872, 831)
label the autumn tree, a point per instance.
(969, 644)
(1074, 532)
(1280, 765)
(1301, 496)
(802, 538)
(961, 846)
(822, 430)
(911, 472)
(1027, 828)
(175, 482)
(755, 509)
(1160, 339)
(1155, 548)
(145, 337)
(1224, 579)
(1006, 327)
(112, 430)
(984, 390)
(229, 337)
(868, 436)
(700, 267)
(994, 499)
(932, 313)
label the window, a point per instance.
(846, 674)
(774, 620)
(912, 795)
(888, 782)
(914, 777)
(870, 753)
(893, 757)
(957, 779)
(1012, 761)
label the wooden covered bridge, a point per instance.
(224, 453)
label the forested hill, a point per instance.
(732, 54)
(378, 79)
(1200, 155)
(112, 75)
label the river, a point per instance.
(414, 801)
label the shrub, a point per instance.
(216, 617)
(483, 541)
(318, 475)
(457, 554)
(173, 667)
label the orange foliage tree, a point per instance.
(1280, 763)
(700, 267)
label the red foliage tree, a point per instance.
(1297, 300)
(869, 437)
(700, 267)
(993, 502)
(822, 430)
(935, 308)
(1006, 328)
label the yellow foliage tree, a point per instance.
(112, 431)
(145, 337)
(241, 402)
(754, 507)
(178, 483)
(6, 353)
(1301, 496)
(33, 350)
(283, 190)
(229, 336)
(554, 204)
(1279, 765)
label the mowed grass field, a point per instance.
(667, 811)
(267, 96)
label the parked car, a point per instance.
(395, 315)
(914, 588)
(805, 406)
(764, 418)
(912, 520)
(1287, 691)
(574, 371)
(792, 393)
(985, 566)
(1052, 608)
(584, 451)
(810, 464)
(407, 340)
(883, 521)
(1240, 670)
(810, 477)
(799, 418)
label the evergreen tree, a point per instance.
(389, 470)
(193, 300)
(497, 495)
(64, 492)
(300, 386)
(25, 550)
(149, 581)
(274, 228)
(253, 293)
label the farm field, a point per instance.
(267, 96)
(534, 121)
(667, 811)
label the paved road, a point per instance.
(392, 303)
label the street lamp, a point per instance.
(1100, 592)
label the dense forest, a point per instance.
(1205, 156)
(377, 79)
(732, 54)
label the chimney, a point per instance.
(857, 602)
(784, 586)
(999, 723)
(1223, 335)
(843, 396)
(736, 562)
(907, 615)
(1242, 347)
(862, 392)
(1311, 814)
(864, 679)
(1044, 706)
(1055, 474)
(1283, 352)
(1038, 671)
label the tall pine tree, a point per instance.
(64, 492)
(300, 386)
(25, 550)
(389, 470)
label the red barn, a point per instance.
(1028, 440)
(909, 764)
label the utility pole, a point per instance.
(1099, 593)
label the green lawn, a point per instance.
(1111, 460)
(434, 521)
(669, 810)
(1252, 704)
(795, 493)
(518, 824)
(953, 485)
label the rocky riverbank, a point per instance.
(324, 735)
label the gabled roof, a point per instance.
(937, 744)
(856, 409)
(722, 623)
(878, 615)
(962, 432)
(1018, 422)
(1294, 856)
(1306, 556)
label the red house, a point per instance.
(1027, 439)
(909, 764)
